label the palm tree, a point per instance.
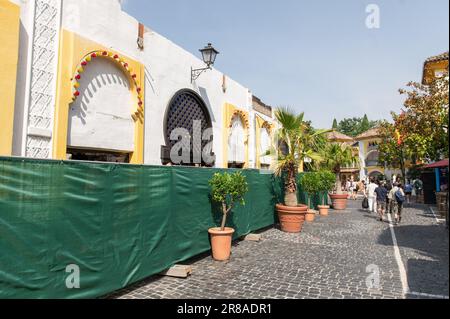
(337, 156)
(297, 142)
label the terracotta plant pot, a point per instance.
(339, 201)
(323, 210)
(310, 216)
(291, 218)
(221, 243)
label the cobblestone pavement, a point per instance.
(332, 258)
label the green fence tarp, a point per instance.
(118, 223)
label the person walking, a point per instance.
(371, 195)
(362, 187)
(391, 199)
(348, 186)
(381, 195)
(356, 189)
(388, 186)
(418, 185)
(408, 192)
(399, 199)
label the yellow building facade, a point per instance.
(9, 53)
(434, 67)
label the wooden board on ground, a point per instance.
(178, 271)
(253, 237)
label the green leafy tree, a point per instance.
(424, 121)
(365, 124)
(327, 182)
(356, 126)
(335, 124)
(228, 189)
(298, 142)
(395, 150)
(310, 184)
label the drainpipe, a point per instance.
(438, 179)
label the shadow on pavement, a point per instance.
(424, 250)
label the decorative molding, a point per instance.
(138, 114)
(44, 63)
(243, 116)
(34, 131)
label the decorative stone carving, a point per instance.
(43, 76)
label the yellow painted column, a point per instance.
(9, 55)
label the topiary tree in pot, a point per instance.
(310, 184)
(327, 182)
(226, 190)
(297, 142)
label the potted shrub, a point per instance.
(226, 190)
(337, 156)
(297, 142)
(326, 184)
(310, 185)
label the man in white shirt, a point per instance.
(371, 196)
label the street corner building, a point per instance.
(83, 80)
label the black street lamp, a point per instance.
(209, 55)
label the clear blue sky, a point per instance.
(315, 56)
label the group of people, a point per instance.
(384, 198)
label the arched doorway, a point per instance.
(101, 127)
(185, 109)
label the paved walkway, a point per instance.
(336, 257)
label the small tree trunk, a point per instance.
(338, 184)
(290, 196)
(224, 218)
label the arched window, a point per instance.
(236, 141)
(265, 144)
(101, 127)
(185, 108)
(373, 158)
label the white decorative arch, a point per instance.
(101, 115)
(236, 141)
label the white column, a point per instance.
(41, 86)
(362, 160)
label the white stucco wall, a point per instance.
(168, 70)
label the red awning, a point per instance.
(440, 164)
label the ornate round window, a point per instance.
(185, 108)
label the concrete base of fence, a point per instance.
(178, 271)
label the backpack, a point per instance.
(400, 197)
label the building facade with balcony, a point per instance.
(371, 167)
